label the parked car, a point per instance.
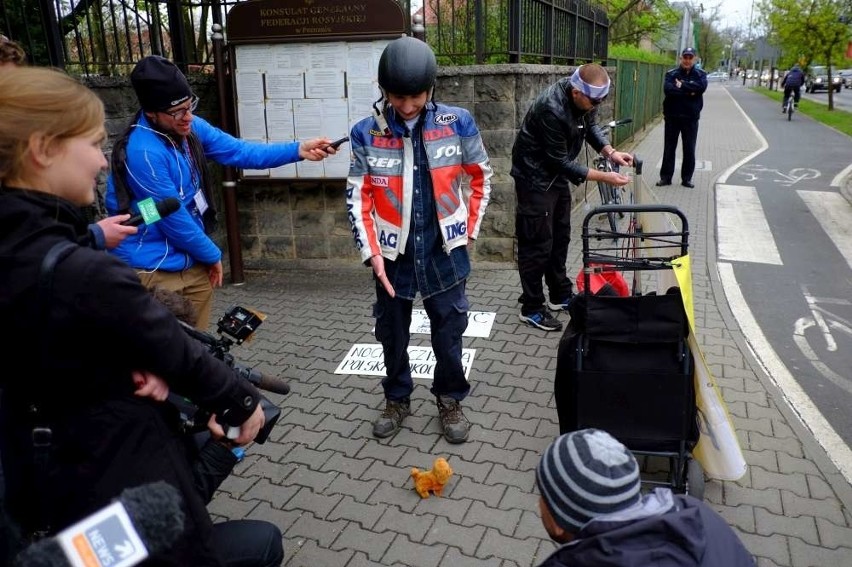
(817, 78)
(846, 77)
(717, 76)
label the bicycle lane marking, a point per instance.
(835, 447)
(824, 321)
(834, 215)
(741, 227)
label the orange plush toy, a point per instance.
(433, 480)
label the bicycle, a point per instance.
(610, 194)
(789, 107)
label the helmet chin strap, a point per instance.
(380, 117)
(381, 105)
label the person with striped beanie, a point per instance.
(591, 501)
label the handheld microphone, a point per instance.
(164, 208)
(156, 521)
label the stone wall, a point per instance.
(289, 220)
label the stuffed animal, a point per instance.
(433, 480)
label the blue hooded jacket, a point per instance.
(159, 167)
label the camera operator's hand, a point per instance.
(114, 231)
(150, 386)
(248, 430)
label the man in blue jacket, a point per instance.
(684, 89)
(792, 84)
(164, 154)
(591, 502)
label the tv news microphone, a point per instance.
(145, 520)
(164, 208)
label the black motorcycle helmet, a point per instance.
(407, 67)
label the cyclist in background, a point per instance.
(792, 83)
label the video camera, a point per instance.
(236, 326)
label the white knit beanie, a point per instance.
(585, 474)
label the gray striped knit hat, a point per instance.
(585, 474)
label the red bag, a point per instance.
(608, 281)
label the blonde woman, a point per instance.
(79, 325)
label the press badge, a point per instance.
(200, 202)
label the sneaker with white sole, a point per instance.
(561, 305)
(541, 320)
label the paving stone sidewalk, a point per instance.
(343, 498)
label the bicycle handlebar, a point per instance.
(614, 123)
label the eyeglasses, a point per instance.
(180, 113)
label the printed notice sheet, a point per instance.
(280, 125)
(252, 118)
(325, 83)
(254, 58)
(330, 55)
(285, 83)
(293, 56)
(249, 86)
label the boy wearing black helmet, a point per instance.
(412, 222)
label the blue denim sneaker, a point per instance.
(541, 320)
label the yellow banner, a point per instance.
(718, 449)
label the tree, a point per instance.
(632, 20)
(810, 31)
(711, 42)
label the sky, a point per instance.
(733, 13)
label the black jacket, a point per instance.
(550, 139)
(687, 100)
(71, 353)
(793, 78)
(691, 534)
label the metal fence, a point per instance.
(106, 37)
(639, 95)
(516, 31)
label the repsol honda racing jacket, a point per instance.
(379, 190)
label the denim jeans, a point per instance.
(447, 313)
(248, 543)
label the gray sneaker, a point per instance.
(455, 425)
(391, 419)
(541, 320)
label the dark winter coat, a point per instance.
(550, 139)
(691, 534)
(794, 78)
(70, 353)
(687, 100)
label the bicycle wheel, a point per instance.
(606, 193)
(790, 109)
(616, 198)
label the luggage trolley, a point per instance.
(624, 363)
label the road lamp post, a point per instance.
(750, 22)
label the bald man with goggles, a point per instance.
(544, 165)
